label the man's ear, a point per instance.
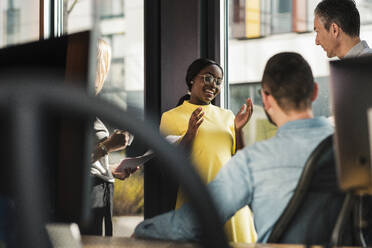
(315, 92)
(335, 30)
(265, 100)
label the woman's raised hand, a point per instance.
(195, 121)
(244, 114)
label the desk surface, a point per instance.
(123, 242)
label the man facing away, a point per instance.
(265, 174)
(337, 27)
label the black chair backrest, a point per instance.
(28, 100)
(312, 212)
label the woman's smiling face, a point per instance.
(203, 93)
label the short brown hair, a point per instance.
(289, 79)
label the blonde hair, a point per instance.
(103, 63)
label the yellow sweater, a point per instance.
(213, 146)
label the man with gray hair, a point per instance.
(337, 27)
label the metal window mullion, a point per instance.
(51, 18)
(58, 18)
(45, 19)
(225, 52)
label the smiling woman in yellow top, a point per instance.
(213, 134)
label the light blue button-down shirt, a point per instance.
(262, 176)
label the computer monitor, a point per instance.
(65, 161)
(351, 96)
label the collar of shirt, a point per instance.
(357, 50)
(303, 123)
(192, 107)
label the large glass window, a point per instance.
(259, 29)
(121, 25)
(19, 21)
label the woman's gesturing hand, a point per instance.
(243, 116)
(195, 121)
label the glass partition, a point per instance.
(121, 26)
(258, 29)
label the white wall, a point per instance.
(81, 17)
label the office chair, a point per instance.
(27, 101)
(312, 212)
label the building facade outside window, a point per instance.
(19, 22)
(258, 29)
(77, 15)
